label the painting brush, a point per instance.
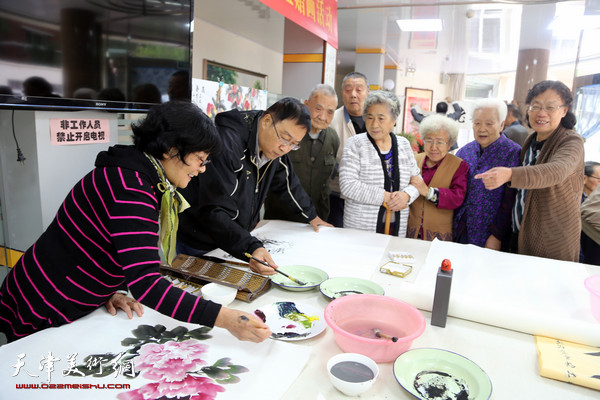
(298, 281)
(382, 335)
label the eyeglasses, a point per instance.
(430, 142)
(205, 162)
(592, 176)
(287, 143)
(548, 109)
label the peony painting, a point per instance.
(174, 362)
(102, 356)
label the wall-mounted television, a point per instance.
(93, 54)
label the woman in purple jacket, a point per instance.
(484, 219)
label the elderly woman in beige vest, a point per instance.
(443, 182)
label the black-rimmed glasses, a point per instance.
(287, 143)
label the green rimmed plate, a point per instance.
(311, 275)
(430, 374)
(344, 286)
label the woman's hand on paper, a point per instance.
(242, 325)
(125, 303)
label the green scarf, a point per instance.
(171, 204)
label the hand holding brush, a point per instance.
(298, 281)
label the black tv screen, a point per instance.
(98, 54)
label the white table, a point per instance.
(508, 357)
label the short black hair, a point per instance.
(290, 108)
(37, 86)
(111, 94)
(146, 94)
(589, 167)
(514, 111)
(569, 120)
(441, 107)
(355, 75)
(176, 124)
(179, 86)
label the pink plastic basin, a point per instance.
(593, 285)
(354, 320)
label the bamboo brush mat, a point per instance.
(250, 285)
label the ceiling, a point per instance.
(349, 10)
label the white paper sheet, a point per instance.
(273, 365)
(339, 252)
(529, 294)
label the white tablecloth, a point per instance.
(509, 357)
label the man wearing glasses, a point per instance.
(225, 201)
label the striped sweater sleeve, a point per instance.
(128, 206)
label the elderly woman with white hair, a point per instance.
(443, 183)
(375, 170)
(485, 216)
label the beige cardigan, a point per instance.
(551, 223)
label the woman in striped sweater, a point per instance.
(104, 236)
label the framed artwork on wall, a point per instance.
(412, 98)
(217, 72)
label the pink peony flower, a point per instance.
(198, 388)
(170, 361)
(190, 386)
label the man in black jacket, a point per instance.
(226, 199)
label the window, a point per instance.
(486, 31)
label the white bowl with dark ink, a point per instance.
(352, 373)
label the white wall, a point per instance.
(33, 191)
(19, 186)
(300, 78)
(233, 33)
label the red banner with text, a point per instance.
(316, 16)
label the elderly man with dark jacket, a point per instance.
(315, 160)
(226, 200)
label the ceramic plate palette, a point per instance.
(344, 286)
(292, 321)
(310, 275)
(435, 374)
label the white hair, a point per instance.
(497, 104)
(383, 97)
(437, 122)
(327, 90)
